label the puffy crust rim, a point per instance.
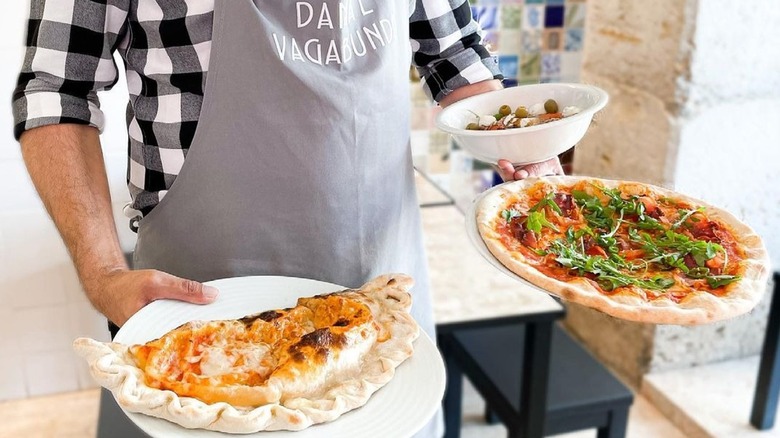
(699, 307)
(113, 367)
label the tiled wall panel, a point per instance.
(535, 40)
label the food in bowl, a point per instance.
(521, 117)
(530, 144)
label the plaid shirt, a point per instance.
(166, 46)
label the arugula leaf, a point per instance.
(716, 281)
(508, 215)
(547, 201)
(632, 205)
(698, 272)
(598, 215)
(536, 220)
(670, 249)
(663, 282)
(610, 282)
(608, 274)
(572, 235)
(684, 215)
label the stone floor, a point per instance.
(713, 400)
(644, 421)
(74, 415)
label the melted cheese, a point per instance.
(216, 361)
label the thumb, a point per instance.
(505, 169)
(182, 289)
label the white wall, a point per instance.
(730, 134)
(42, 305)
(739, 158)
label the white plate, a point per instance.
(401, 408)
(476, 239)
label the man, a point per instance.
(266, 137)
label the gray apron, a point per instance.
(301, 164)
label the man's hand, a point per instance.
(509, 172)
(122, 293)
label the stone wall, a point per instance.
(695, 106)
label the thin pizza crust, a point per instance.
(114, 368)
(699, 307)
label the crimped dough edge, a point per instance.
(113, 367)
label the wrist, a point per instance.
(93, 280)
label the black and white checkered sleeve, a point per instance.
(68, 59)
(447, 47)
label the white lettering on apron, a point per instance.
(300, 14)
(356, 43)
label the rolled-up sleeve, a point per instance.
(69, 58)
(447, 47)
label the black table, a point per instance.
(530, 347)
(112, 421)
(533, 340)
(576, 392)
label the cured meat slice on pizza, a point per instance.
(631, 250)
(280, 369)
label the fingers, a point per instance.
(162, 285)
(506, 170)
(550, 167)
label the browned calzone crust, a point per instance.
(696, 308)
(317, 361)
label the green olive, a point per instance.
(521, 112)
(551, 106)
(505, 110)
(473, 126)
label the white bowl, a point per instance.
(527, 145)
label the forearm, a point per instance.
(65, 163)
(470, 90)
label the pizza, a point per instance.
(628, 249)
(275, 370)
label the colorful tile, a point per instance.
(532, 40)
(511, 16)
(530, 66)
(551, 65)
(552, 39)
(573, 40)
(533, 17)
(509, 65)
(575, 15)
(486, 16)
(511, 42)
(553, 16)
